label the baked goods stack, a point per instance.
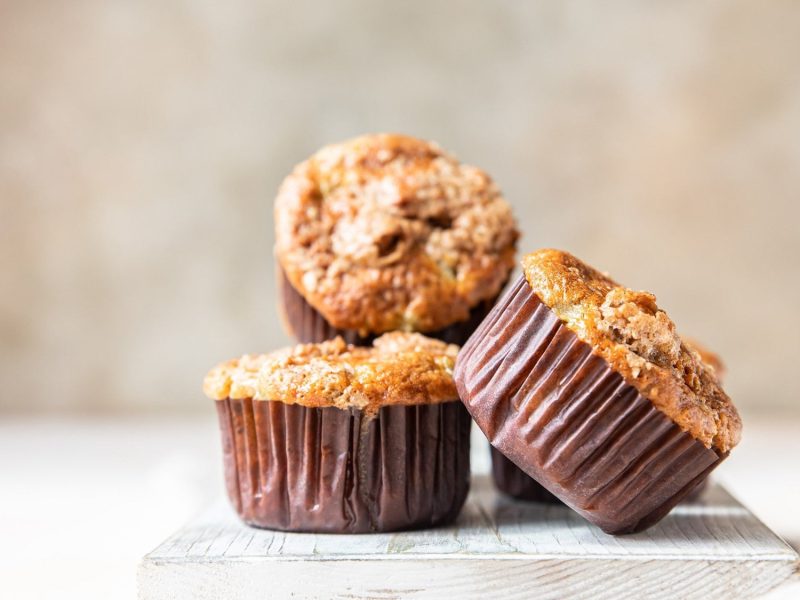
(392, 254)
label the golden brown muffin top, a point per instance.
(236, 378)
(388, 232)
(638, 340)
(399, 368)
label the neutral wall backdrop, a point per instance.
(141, 144)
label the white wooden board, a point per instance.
(497, 548)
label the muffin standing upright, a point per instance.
(335, 438)
(587, 386)
(388, 232)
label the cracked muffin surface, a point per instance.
(388, 232)
(640, 341)
(399, 368)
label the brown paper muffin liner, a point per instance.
(297, 468)
(564, 416)
(307, 325)
(697, 491)
(514, 482)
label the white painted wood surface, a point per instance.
(497, 548)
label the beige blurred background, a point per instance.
(141, 144)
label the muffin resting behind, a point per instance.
(388, 232)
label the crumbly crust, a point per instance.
(388, 232)
(637, 338)
(235, 379)
(400, 368)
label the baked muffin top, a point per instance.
(399, 368)
(236, 378)
(638, 340)
(388, 232)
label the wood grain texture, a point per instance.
(712, 549)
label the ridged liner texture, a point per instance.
(307, 325)
(514, 482)
(296, 468)
(564, 416)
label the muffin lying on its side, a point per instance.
(587, 387)
(335, 438)
(387, 232)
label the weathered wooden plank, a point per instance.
(715, 548)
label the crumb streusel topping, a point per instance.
(400, 368)
(388, 232)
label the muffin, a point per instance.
(389, 233)
(586, 386)
(514, 482)
(335, 438)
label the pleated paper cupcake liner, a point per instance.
(514, 482)
(571, 422)
(307, 325)
(697, 492)
(296, 468)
